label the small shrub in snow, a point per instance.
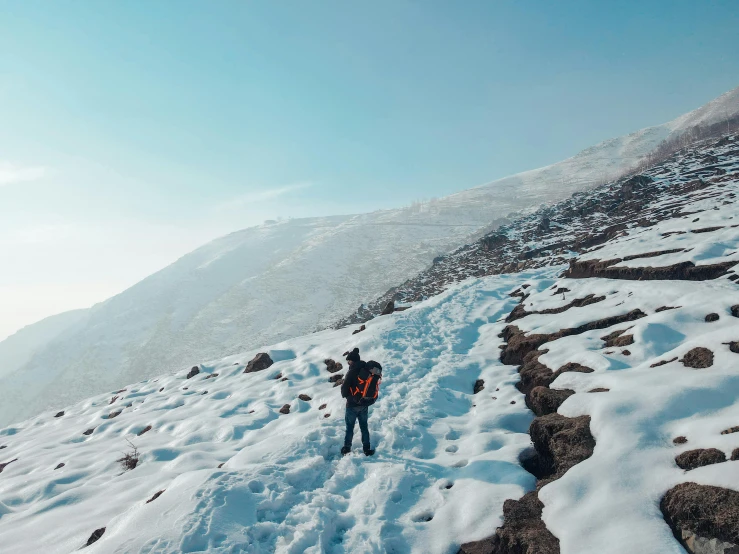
(130, 459)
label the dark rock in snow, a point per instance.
(522, 532)
(212, 376)
(89, 431)
(144, 430)
(336, 377)
(710, 318)
(285, 409)
(479, 385)
(326, 415)
(599, 389)
(260, 362)
(59, 414)
(698, 358)
(332, 366)
(322, 406)
(699, 457)
(339, 383)
(304, 397)
(543, 400)
(193, 372)
(730, 430)
(560, 443)
(111, 415)
(61, 465)
(663, 362)
(665, 308)
(389, 308)
(362, 328)
(156, 495)
(735, 455)
(679, 440)
(96, 534)
(4, 465)
(113, 400)
(701, 514)
(734, 347)
(735, 310)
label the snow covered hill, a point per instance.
(588, 403)
(269, 283)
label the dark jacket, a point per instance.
(351, 381)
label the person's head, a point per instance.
(353, 356)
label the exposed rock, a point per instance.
(304, 397)
(679, 440)
(144, 430)
(663, 362)
(665, 308)
(683, 271)
(543, 400)
(599, 389)
(626, 352)
(730, 430)
(193, 372)
(617, 339)
(4, 465)
(61, 465)
(519, 311)
(362, 328)
(322, 406)
(710, 318)
(735, 310)
(158, 494)
(326, 415)
(111, 415)
(89, 431)
(221, 465)
(479, 385)
(734, 346)
(698, 358)
(332, 366)
(285, 409)
(560, 443)
(336, 377)
(112, 400)
(96, 534)
(699, 514)
(59, 414)
(260, 362)
(339, 383)
(389, 308)
(212, 376)
(699, 457)
(522, 532)
(706, 229)
(3, 446)
(735, 454)
(278, 376)
(160, 390)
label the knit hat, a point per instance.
(352, 356)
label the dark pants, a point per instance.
(354, 413)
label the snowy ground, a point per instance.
(283, 486)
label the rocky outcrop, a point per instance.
(96, 534)
(698, 358)
(559, 443)
(6, 464)
(193, 372)
(710, 318)
(479, 385)
(332, 366)
(523, 531)
(304, 397)
(285, 409)
(683, 271)
(703, 518)
(157, 495)
(543, 400)
(144, 430)
(519, 311)
(260, 362)
(699, 457)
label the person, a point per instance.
(360, 388)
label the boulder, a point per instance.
(157, 495)
(304, 397)
(260, 362)
(560, 443)
(543, 400)
(193, 372)
(332, 366)
(285, 409)
(698, 358)
(710, 318)
(703, 518)
(479, 385)
(96, 534)
(699, 457)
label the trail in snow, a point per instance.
(443, 467)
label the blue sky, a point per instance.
(131, 132)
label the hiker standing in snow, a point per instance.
(360, 388)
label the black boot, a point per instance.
(345, 450)
(369, 451)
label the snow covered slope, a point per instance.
(272, 282)
(626, 350)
